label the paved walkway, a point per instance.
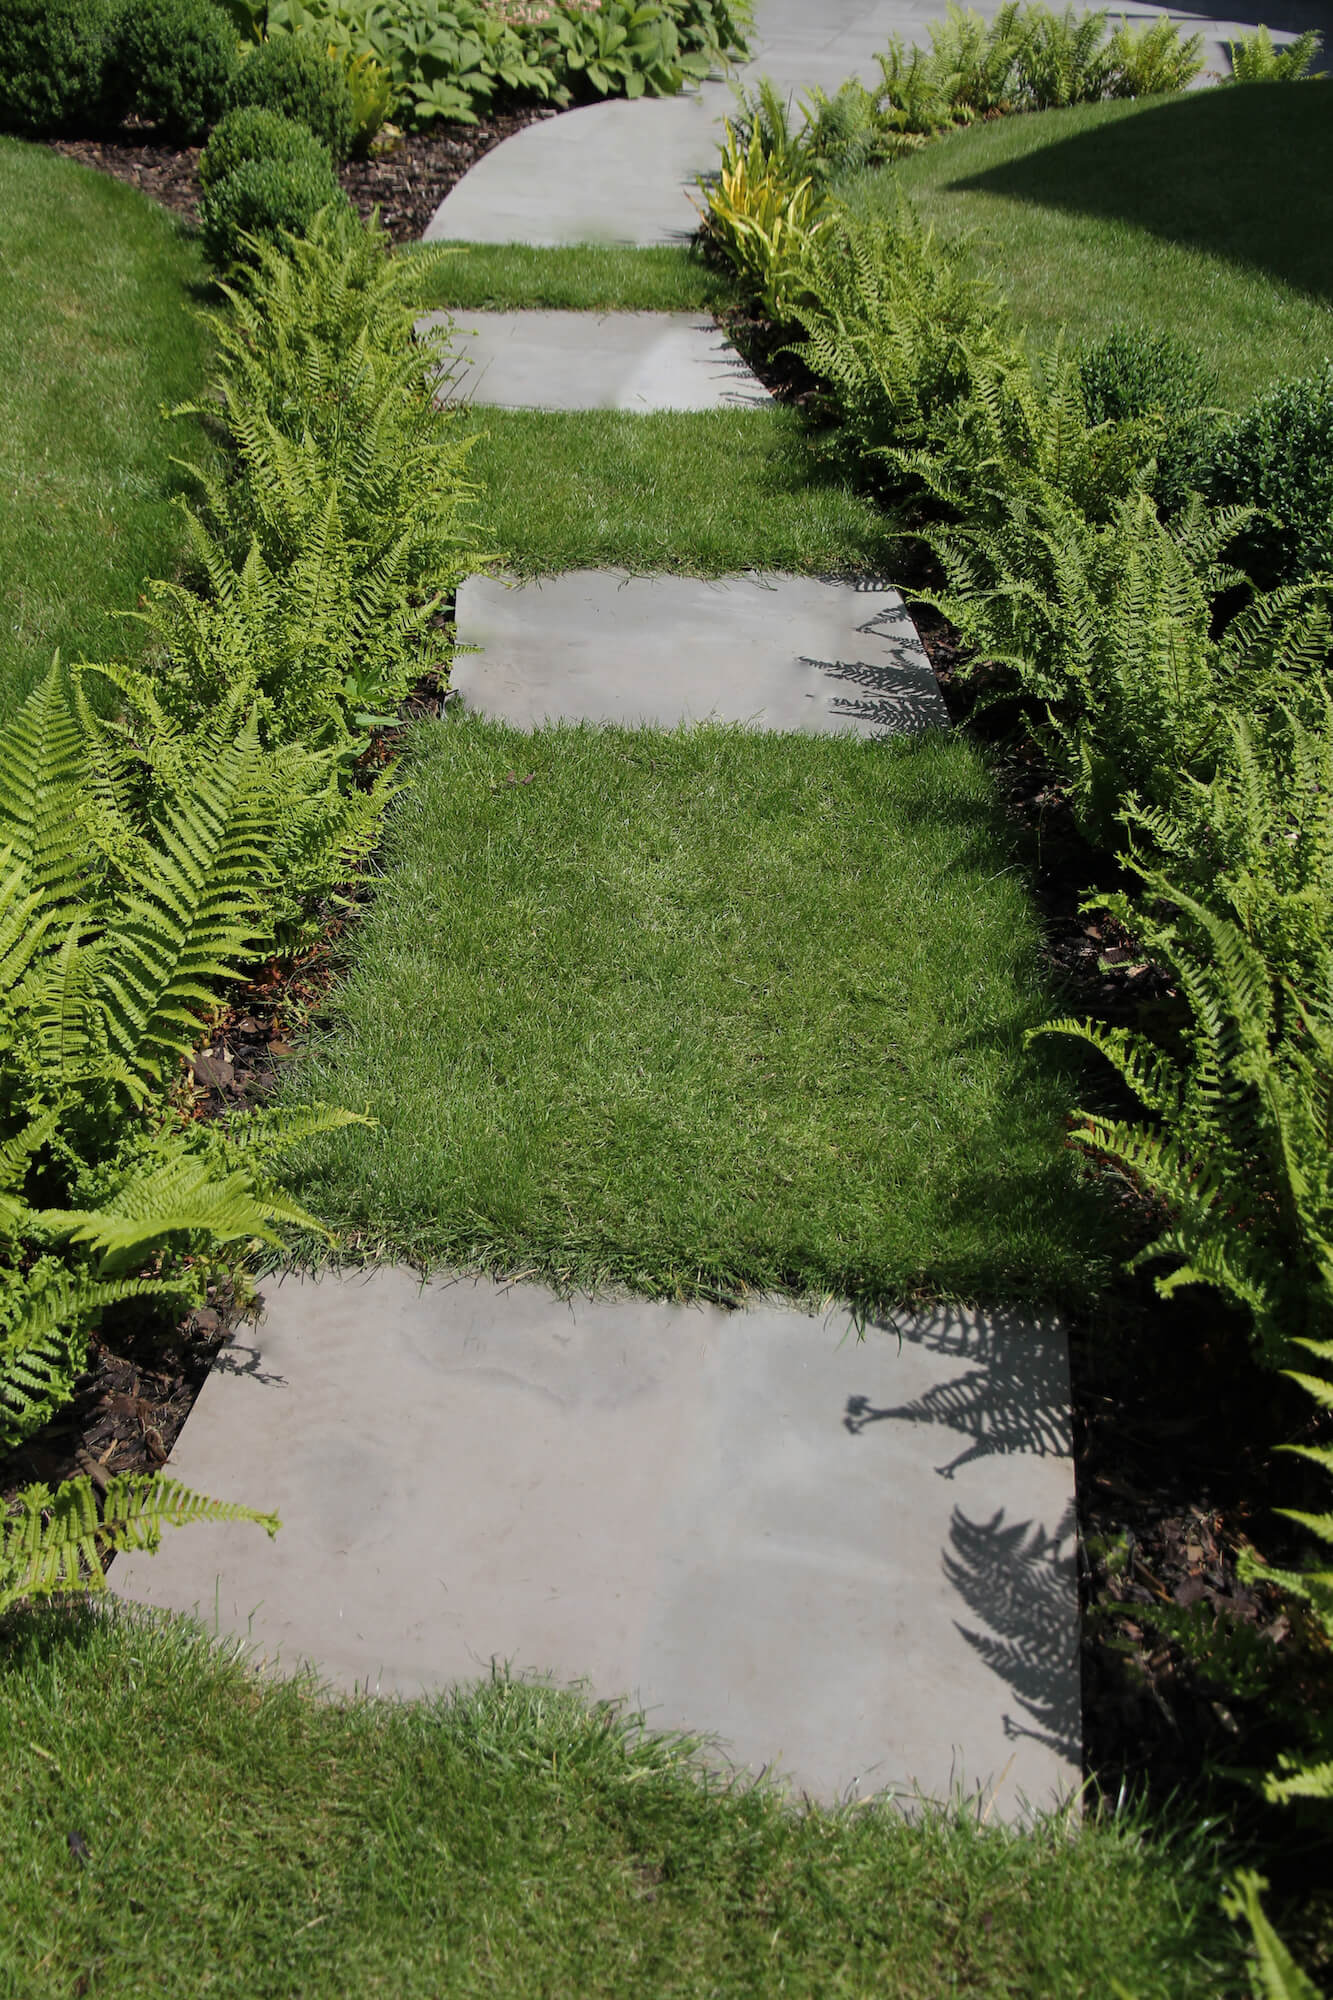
(625, 173)
(849, 1559)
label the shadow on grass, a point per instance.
(1244, 173)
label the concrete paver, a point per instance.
(794, 653)
(852, 1559)
(596, 361)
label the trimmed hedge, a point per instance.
(174, 65)
(54, 58)
(295, 76)
(267, 199)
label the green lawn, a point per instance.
(707, 493)
(1208, 215)
(582, 277)
(172, 1826)
(701, 1011)
(96, 333)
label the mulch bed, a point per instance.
(1172, 1417)
(406, 183)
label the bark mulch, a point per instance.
(406, 182)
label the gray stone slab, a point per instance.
(779, 652)
(606, 173)
(851, 1560)
(621, 172)
(596, 361)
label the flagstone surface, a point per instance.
(850, 1559)
(595, 361)
(778, 652)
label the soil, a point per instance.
(406, 181)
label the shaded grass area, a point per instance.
(96, 333)
(706, 493)
(213, 1833)
(584, 277)
(1206, 215)
(698, 1012)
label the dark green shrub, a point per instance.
(53, 62)
(1278, 456)
(255, 134)
(266, 198)
(1137, 373)
(294, 75)
(174, 65)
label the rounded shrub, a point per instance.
(1134, 372)
(266, 198)
(1278, 456)
(174, 64)
(252, 133)
(296, 76)
(54, 58)
(1137, 373)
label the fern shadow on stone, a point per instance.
(1019, 1579)
(1010, 1395)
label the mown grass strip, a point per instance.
(1206, 216)
(173, 1825)
(584, 277)
(706, 494)
(698, 1012)
(96, 334)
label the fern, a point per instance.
(56, 1543)
(1240, 912)
(1257, 59)
(1279, 1975)
(893, 332)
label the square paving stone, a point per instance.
(851, 1560)
(781, 652)
(596, 361)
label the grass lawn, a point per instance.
(1207, 215)
(707, 493)
(96, 333)
(701, 1011)
(585, 277)
(169, 1825)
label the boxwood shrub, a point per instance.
(1278, 456)
(174, 65)
(295, 75)
(1138, 373)
(252, 133)
(54, 57)
(267, 198)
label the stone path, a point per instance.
(626, 173)
(597, 361)
(849, 1559)
(852, 1560)
(781, 652)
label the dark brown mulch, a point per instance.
(407, 182)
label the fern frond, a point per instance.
(56, 1543)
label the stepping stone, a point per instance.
(596, 361)
(849, 1559)
(782, 652)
